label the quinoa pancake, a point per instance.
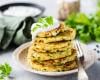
(53, 32)
(64, 67)
(52, 47)
(48, 55)
(55, 61)
(69, 34)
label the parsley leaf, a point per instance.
(5, 71)
(87, 27)
(47, 21)
(36, 27)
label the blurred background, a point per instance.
(17, 16)
(48, 4)
(52, 5)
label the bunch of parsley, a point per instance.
(5, 71)
(87, 27)
(98, 3)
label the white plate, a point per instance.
(21, 52)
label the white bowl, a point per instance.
(21, 52)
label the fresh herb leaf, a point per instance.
(5, 71)
(36, 26)
(87, 27)
(97, 34)
(46, 21)
(85, 37)
(82, 19)
(40, 20)
(98, 4)
(71, 20)
(43, 21)
(49, 20)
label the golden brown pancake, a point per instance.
(69, 34)
(53, 32)
(47, 55)
(56, 61)
(46, 68)
(52, 47)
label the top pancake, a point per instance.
(68, 34)
(53, 32)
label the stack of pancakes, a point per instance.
(53, 51)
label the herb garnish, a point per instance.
(5, 71)
(43, 22)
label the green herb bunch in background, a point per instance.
(87, 27)
(98, 3)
